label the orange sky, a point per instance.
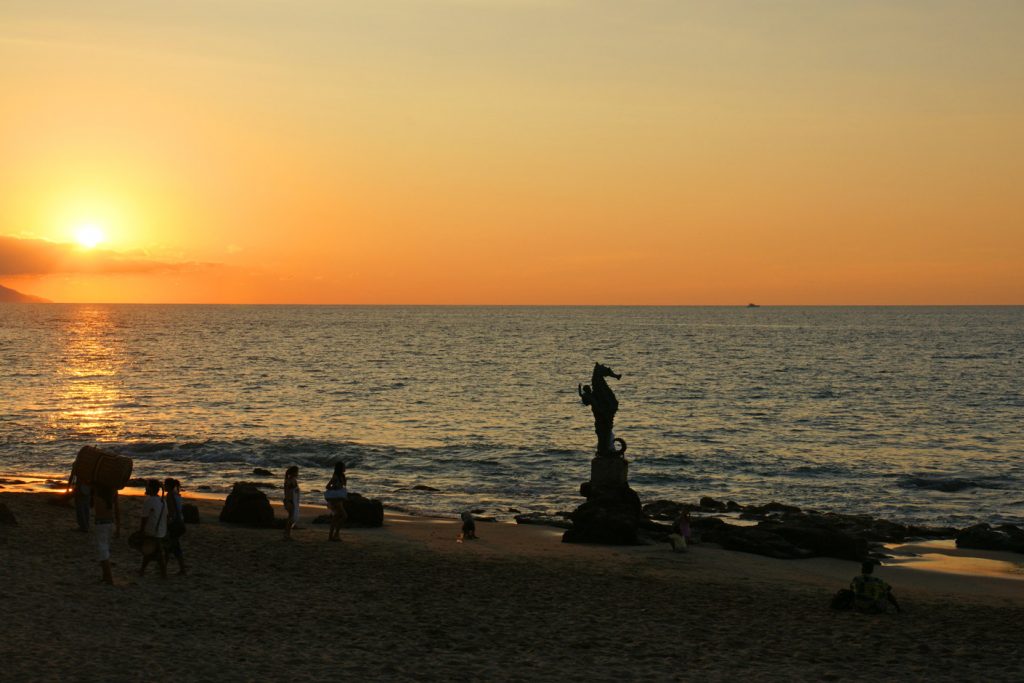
(514, 151)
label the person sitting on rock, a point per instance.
(680, 537)
(870, 593)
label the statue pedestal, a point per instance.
(609, 472)
(612, 512)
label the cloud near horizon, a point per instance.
(20, 257)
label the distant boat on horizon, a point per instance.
(753, 306)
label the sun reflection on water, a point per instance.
(88, 388)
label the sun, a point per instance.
(89, 235)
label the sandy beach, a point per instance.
(408, 602)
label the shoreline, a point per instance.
(920, 558)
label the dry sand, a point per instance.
(407, 602)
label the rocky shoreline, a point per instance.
(788, 532)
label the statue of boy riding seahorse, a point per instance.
(601, 399)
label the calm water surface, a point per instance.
(911, 413)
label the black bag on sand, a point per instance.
(842, 600)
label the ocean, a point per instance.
(913, 414)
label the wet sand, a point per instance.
(407, 602)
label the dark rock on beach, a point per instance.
(1005, 537)
(709, 504)
(762, 542)
(612, 514)
(667, 510)
(763, 511)
(260, 472)
(247, 505)
(559, 520)
(603, 521)
(190, 513)
(818, 537)
(6, 516)
(786, 531)
(361, 511)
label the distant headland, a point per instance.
(11, 296)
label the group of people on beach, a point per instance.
(335, 494)
(161, 523)
(162, 519)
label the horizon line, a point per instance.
(521, 305)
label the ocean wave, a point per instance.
(946, 484)
(324, 453)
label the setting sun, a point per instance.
(88, 235)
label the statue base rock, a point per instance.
(612, 513)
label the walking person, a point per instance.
(106, 522)
(175, 522)
(291, 499)
(337, 492)
(154, 528)
(82, 497)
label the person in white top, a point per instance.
(154, 528)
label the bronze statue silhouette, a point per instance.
(601, 399)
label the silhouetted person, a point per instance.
(82, 497)
(870, 593)
(175, 522)
(292, 497)
(154, 528)
(680, 538)
(106, 522)
(337, 492)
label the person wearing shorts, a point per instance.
(106, 524)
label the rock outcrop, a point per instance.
(787, 532)
(612, 514)
(364, 511)
(1005, 537)
(247, 505)
(190, 513)
(560, 519)
(361, 511)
